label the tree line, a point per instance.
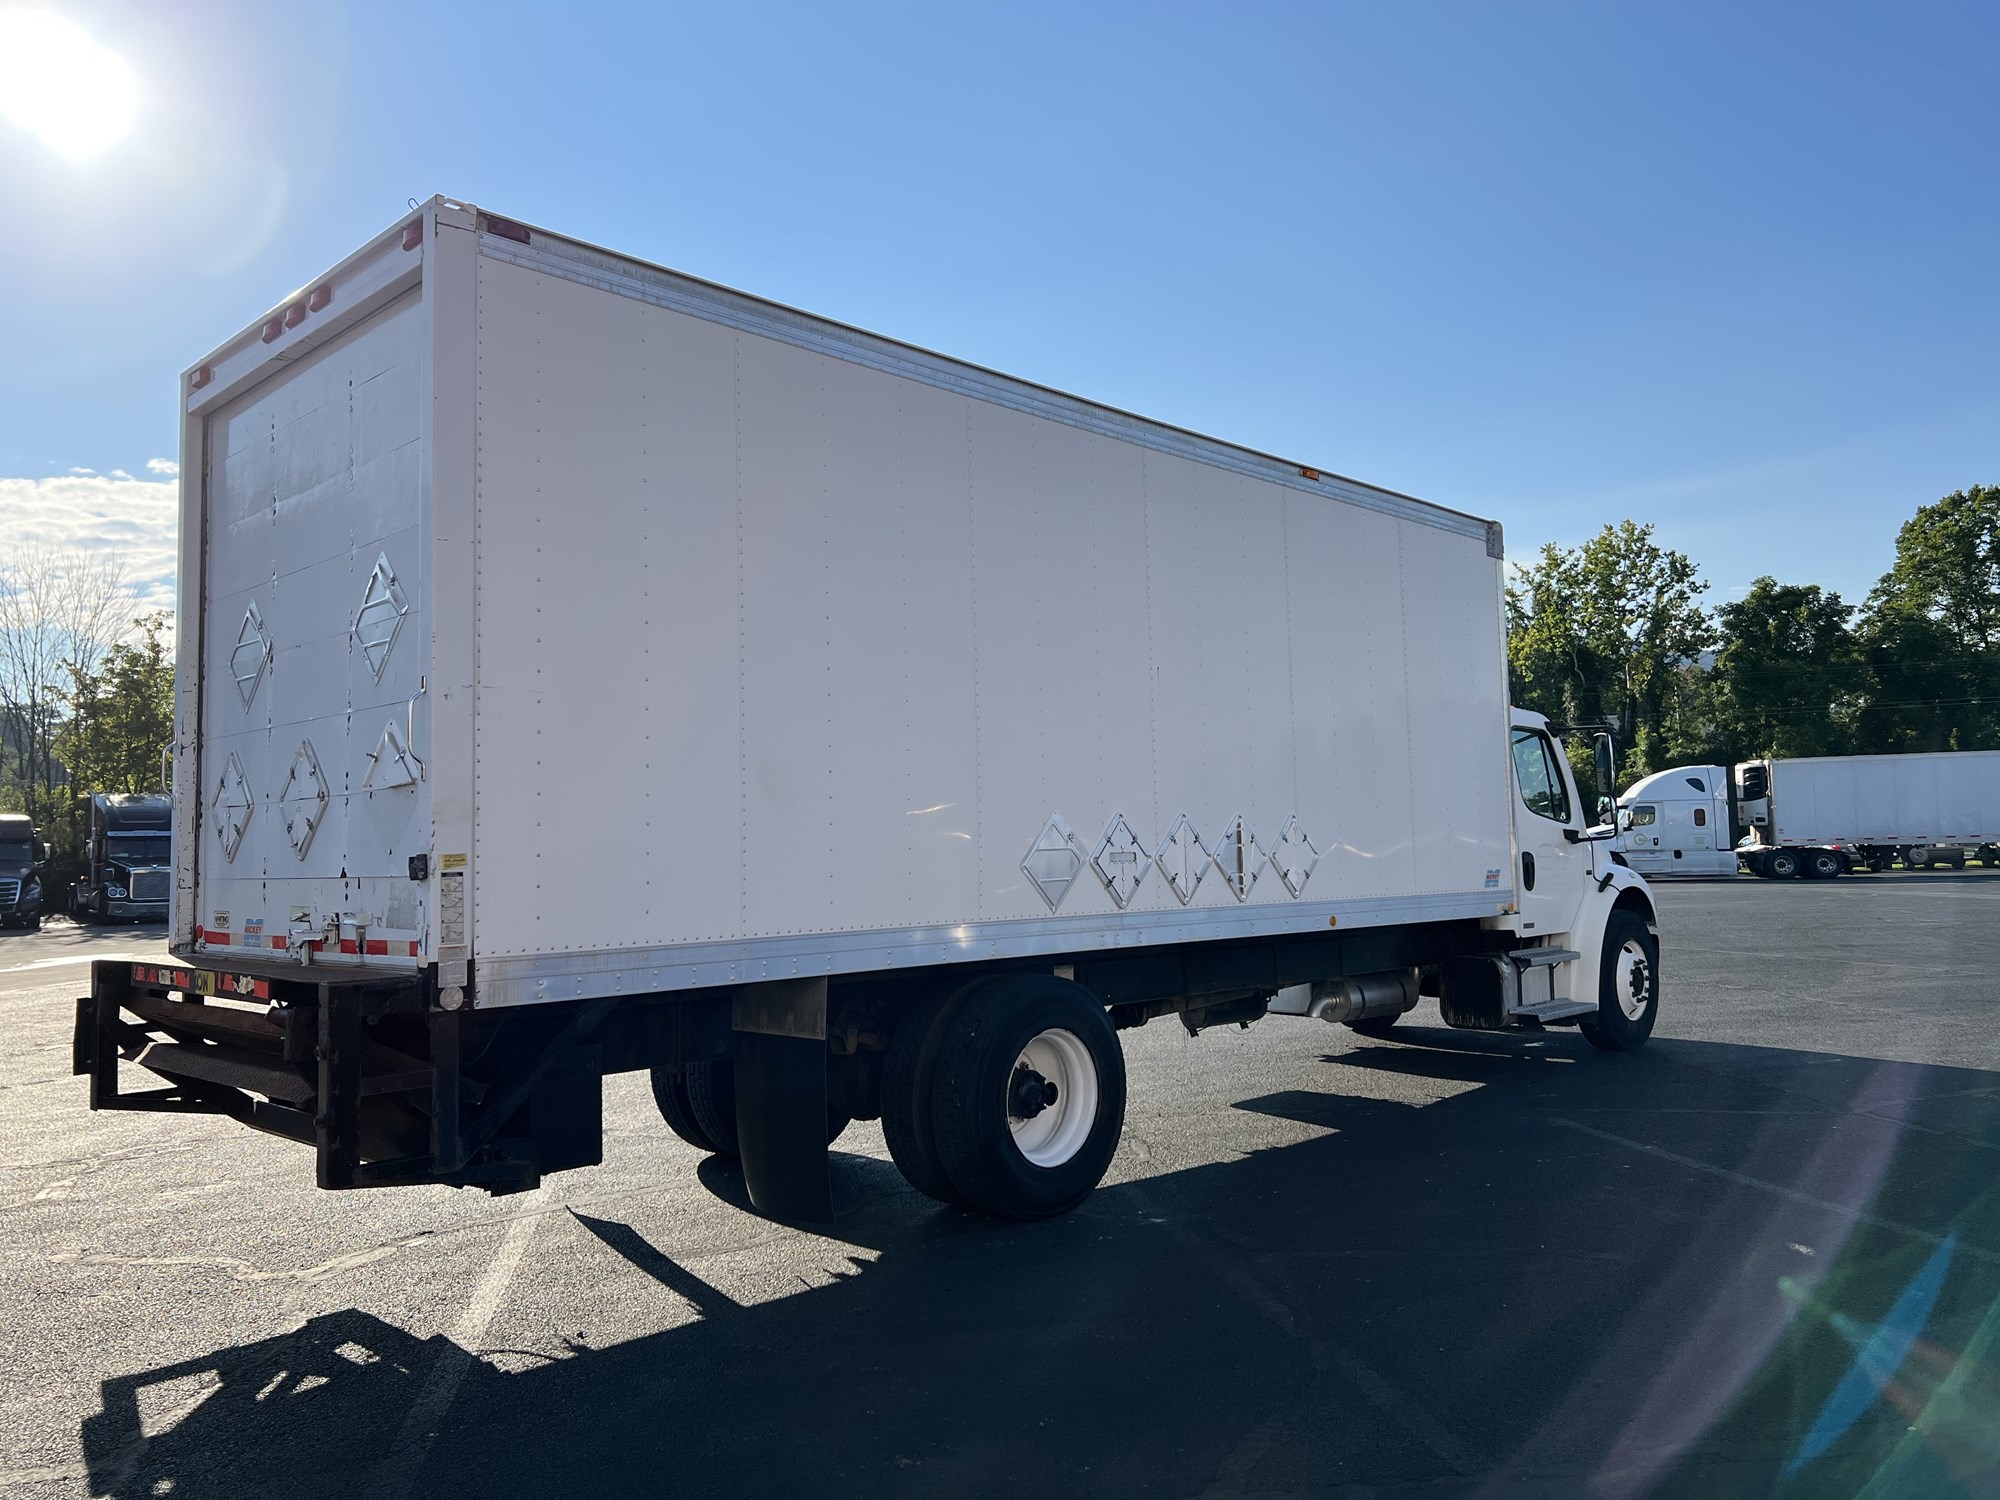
(86, 697)
(1615, 632)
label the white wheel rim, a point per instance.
(1055, 1134)
(1635, 979)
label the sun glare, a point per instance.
(57, 82)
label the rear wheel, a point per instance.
(1781, 864)
(1028, 1097)
(908, 1073)
(1824, 864)
(1628, 986)
(670, 1093)
(711, 1097)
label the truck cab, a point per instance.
(1676, 822)
(129, 876)
(21, 859)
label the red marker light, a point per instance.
(507, 229)
(272, 329)
(200, 378)
(295, 314)
(321, 297)
(413, 235)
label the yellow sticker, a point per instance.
(204, 982)
(451, 862)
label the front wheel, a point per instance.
(1628, 986)
(1028, 1096)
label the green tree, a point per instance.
(1603, 632)
(121, 715)
(1930, 640)
(1787, 673)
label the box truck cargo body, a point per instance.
(1823, 816)
(588, 668)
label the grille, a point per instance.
(152, 885)
(10, 890)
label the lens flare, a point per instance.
(58, 83)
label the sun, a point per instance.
(57, 82)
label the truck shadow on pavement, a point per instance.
(1701, 1270)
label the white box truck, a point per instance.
(1827, 815)
(587, 668)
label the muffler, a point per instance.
(1360, 997)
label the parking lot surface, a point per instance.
(1760, 1257)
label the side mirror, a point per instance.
(1607, 769)
(47, 854)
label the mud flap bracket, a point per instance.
(779, 1037)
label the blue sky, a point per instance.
(1729, 269)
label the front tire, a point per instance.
(1029, 1096)
(1628, 986)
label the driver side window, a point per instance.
(1542, 788)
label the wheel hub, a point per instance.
(1028, 1094)
(1635, 980)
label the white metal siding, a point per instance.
(312, 476)
(772, 643)
(1887, 799)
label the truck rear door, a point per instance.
(314, 647)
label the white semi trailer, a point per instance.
(1827, 815)
(587, 668)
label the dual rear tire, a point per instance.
(1006, 1096)
(698, 1102)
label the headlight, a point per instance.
(115, 892)
(33, 892)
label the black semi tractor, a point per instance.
(129, 874)
(21, 859)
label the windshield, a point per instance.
(139, 848)
(14, 854)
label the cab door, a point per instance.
(1644, 828)
(1551, 868)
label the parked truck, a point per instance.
(1825, 816)
(22, 856)
(1676, 822)
(586, 668)
(128, 862)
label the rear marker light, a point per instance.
(413, 235)
(295, 314)
(320, 298)
(507, 229)
(272, 329)
(200, 378)
(1309, 473)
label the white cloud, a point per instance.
(120, 474)
(83, 471)
(133, 520)
(162, 466)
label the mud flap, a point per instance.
(780, 1047)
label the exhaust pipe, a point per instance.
(1361, 997)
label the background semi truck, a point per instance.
(587, 668)
(128, 862)
(1827, 815)
(22, 856)
(1820, 817)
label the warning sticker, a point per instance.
(451, 908)
(451, 861)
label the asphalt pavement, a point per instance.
(1760, 1257)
